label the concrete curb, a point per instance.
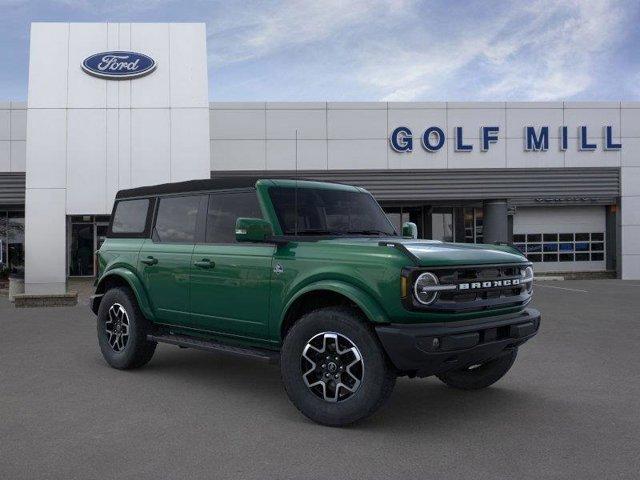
(68, 299)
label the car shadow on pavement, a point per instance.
(414, 404)
(428, 403)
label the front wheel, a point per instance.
(122, 330)
(333, 367)
(479, 376)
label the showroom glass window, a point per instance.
(473, 220)
(442, 226)
(562, 247)
(224, 209)
(11, 242)
(398, 215)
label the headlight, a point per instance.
(425, 288)
(527, 278)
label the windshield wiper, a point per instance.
(371, 232)
(321, 231)
(316, 231)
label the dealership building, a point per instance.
(118, 105)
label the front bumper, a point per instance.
(428, 349)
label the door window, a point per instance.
(130, 216)
(176, 220)
(224, 210)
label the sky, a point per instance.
(377, 50)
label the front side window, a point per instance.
(224, 210)
(317, 211)
(130, 216)
(176, 219)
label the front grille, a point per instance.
(478, 299)
(474, 274)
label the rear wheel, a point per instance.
(481, 375)
(333, 367)
(122, 330)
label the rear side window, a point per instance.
(224, 210)
(130, 216)
(176, 219)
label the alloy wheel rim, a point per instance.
(117, 327)
(332, 366)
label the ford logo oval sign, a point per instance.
(118, 65)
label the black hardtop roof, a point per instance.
(209, 184)
(188, 186)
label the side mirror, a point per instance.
(252, 230)
(409, 229)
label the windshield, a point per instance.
(329, 212)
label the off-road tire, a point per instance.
(378, 377)
(482, 376)
(138, 350)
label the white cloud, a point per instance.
(260, 29)
(569, 50)
(401, 49)
(107, 7)
(547, 50)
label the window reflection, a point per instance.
(11, 243)
(572, 247)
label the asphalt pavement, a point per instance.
(569, 408)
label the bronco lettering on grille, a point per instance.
(507, 282)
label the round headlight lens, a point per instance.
(421, 288)
(527, 278)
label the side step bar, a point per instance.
(268, 356)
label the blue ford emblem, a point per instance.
(118, 65)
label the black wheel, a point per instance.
(334, 368)
(122, 330)
(482, 375)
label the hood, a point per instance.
(436, 253)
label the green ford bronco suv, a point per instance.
(312, 276)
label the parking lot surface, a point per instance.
(569, 408)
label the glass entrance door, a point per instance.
(85, 235)
(400, 215)
(473, 225)
(442, 226)
(81, 262)
(101, 235)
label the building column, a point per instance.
(629, 266)
(611, 236)
(45, 241)
(495, 222)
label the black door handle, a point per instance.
(149, 260)
(204, 263)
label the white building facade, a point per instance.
(561, 180)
